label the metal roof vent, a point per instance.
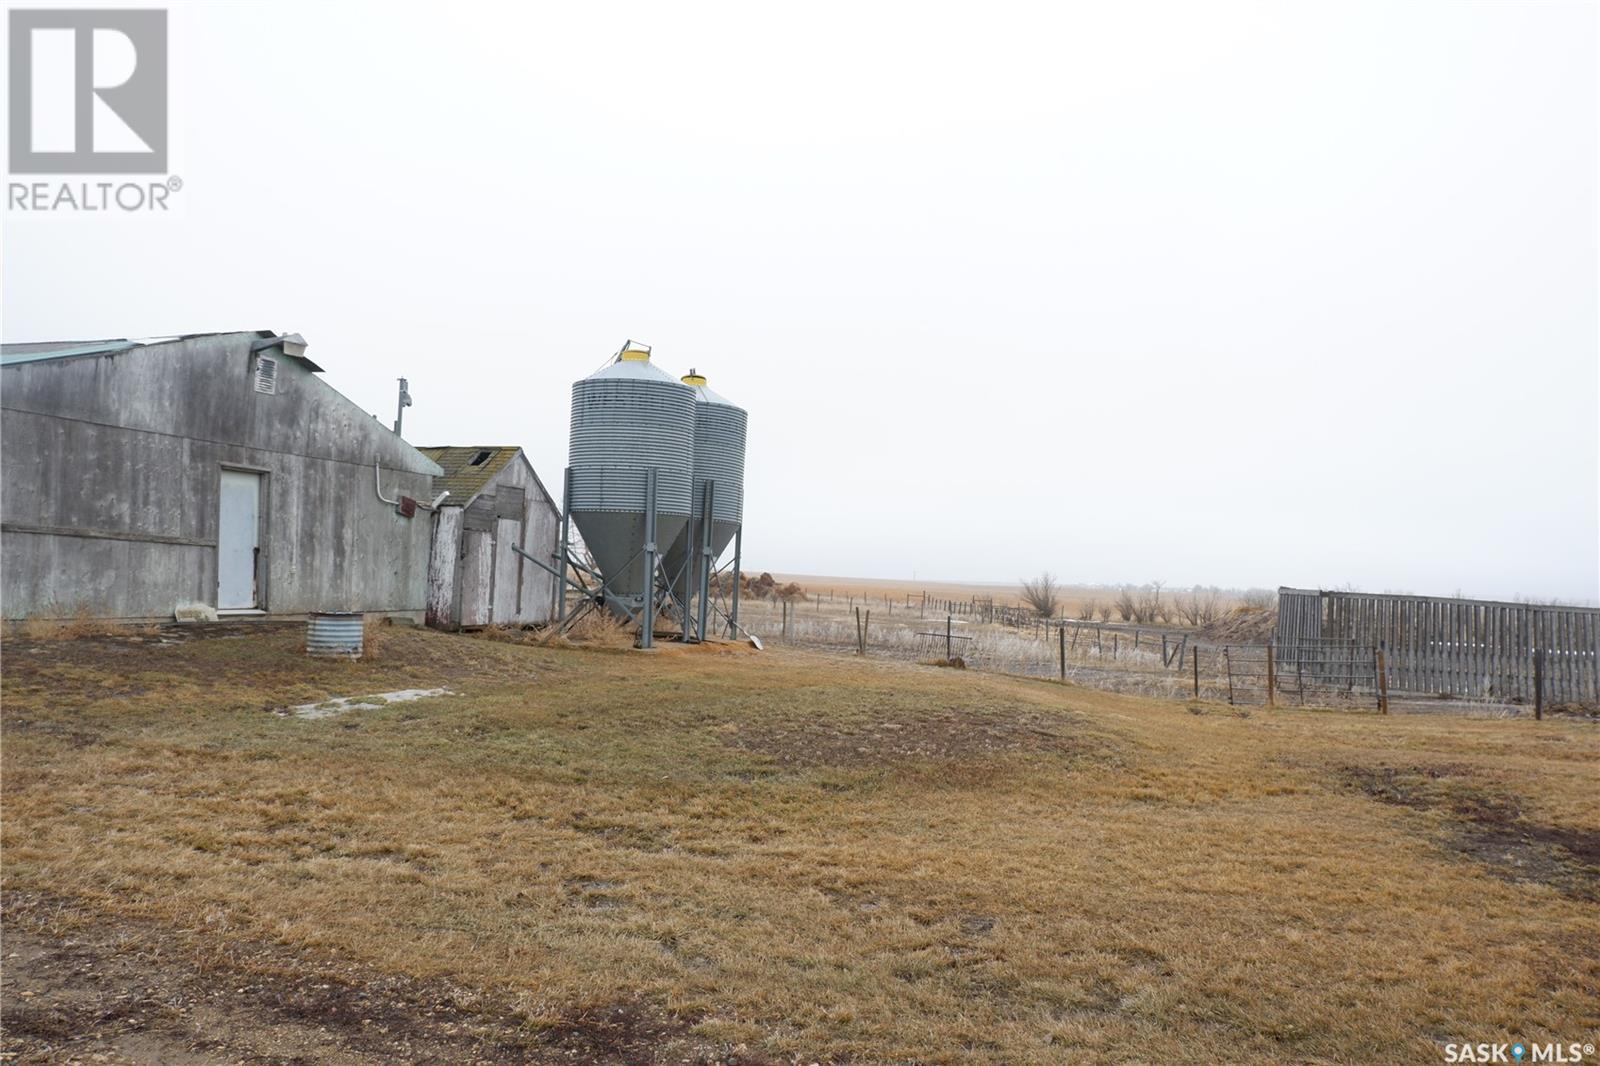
(267, 375)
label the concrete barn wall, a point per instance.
(111, 478)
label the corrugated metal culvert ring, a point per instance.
(336, 634)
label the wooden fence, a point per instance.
(1471, 648)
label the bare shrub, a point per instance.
(1149, 608)
(1260, 599)
(77, 626)
(1104, 611)
(1042, 594)
(598, 626)
(1188, 608)
(83, 624)
(1087, 610)
(505, 634)
(34, 629)
(1127, 604)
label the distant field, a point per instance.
(1072, 596)
(721, 855)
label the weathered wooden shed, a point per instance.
(496, 500)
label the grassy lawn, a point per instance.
(589, 855)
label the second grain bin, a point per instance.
(632, 425)
(719, 441)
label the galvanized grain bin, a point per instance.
(335, 634)
(719, 438)
(627, 419)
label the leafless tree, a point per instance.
(1086, 611)
(1104, 611)
(1260, 599)
(1042, 594)
(1127, 606)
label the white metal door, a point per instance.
(238, 540)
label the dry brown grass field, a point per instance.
(874, 591)
(721, 855)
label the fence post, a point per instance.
(859, 649)
(1195, 659)
(949, 653)
(1227, 658)
(1383, 682)
(866, 623)
(1062, 635)
(1271, 678)
(1538, 684)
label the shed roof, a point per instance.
(468, 470)
(41, 351)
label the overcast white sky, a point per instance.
(1244, 294)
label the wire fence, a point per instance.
(1306, 673)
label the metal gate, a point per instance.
(1321, 672)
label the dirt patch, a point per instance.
(667, 645)
(621, 1033)
(1575, 710)
(87, 987)
(1486, 823)
(1417, 787)
(943, 733)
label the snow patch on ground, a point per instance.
(341, 704)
